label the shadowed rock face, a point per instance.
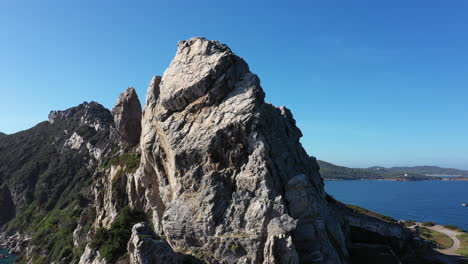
(46, 171)
(7, 207)
(127, 118)
(224, 173)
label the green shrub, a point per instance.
(112, 243)
(101, 236)
(409, 223)
(428, 224)
(454, 227)
(234, 248)
(130, 161)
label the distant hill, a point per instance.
(2, 134)
(423, 170)
(331, 171)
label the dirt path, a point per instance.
(448, 255)
(451, 233)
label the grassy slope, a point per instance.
(439, 240)
(463, 250)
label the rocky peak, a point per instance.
(127, 117)
(92, 114)
(224, 173)
(203, 71)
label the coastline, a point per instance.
(435, 201)
(397, 179)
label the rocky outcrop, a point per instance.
(15, 243)
(381, 240)
(127, 118)
(224, 173)
(91, 114)
(147, 247)
(91, 256)
(45, 175)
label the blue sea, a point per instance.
(9, 260)
(436, 201)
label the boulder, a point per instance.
(145, 247)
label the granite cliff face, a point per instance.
(207, 173)
(127, 118)
(223, 172)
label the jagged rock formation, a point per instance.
(219, 175)
(224, 173)
(91, 114)
(127, 118)
(16, 243)
(45, 173)
(147, 247)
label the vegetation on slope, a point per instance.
(422, 170)
(455, 228)
(428, 224)
(52, 231)
(129, 160)
(44, 183)
(463, 250)
(437, 239)
(112, 243)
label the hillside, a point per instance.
(330, 171)
(422, 170)
(45, 175)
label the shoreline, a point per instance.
(397, 179)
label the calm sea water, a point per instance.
(9, 260)
(436, 201)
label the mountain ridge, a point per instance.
(217, 176)
(332, 171)
(424, 170)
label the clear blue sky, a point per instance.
(369, 82)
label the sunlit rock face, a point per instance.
(127, 118)
(224, 173)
